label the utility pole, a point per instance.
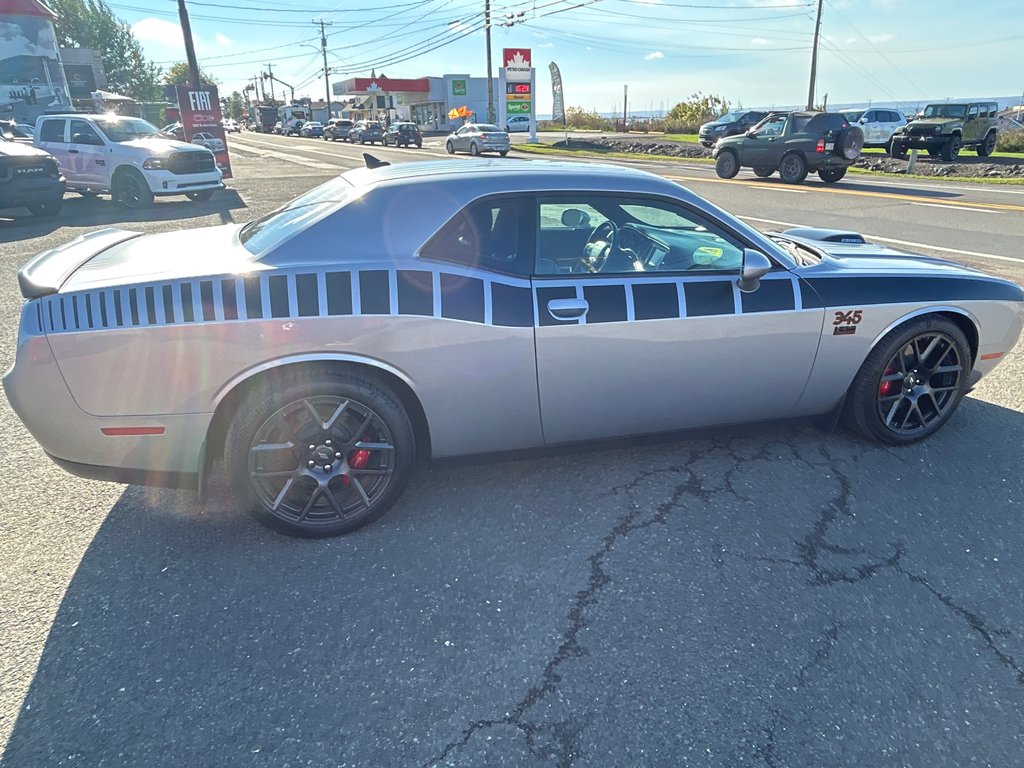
(190, 49)
(327, 72)
(490, 82)
(625, 99)
(814, 58)
(270, 74)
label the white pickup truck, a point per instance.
(126, 157)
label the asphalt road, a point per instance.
(772, 596)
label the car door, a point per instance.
(656, 335)
(763, 147)
(463, 137)
(88, 154)
(972, 126)
(52, 137)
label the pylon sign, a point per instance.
(516, 80)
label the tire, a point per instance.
(793, 168)
(131, 191)
(763, 171)
(449, 148)
(279, 486)
(503, 153)
(831, 175)
(850, 142)
(46, 208)
(474, 150)
(727, 165)
(201, 196)
(898, 151)
(419, 145)
(934, 152)
(988, 145)
(881, 402)
(951, 149)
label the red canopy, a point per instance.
(25, 8)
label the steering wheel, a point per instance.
(599, 246)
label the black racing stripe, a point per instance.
(133, 305)
(607, 303)
(187, 312)
(710, 298)
(118, 317)
(857, 291)
(63, 315)
(103, 310)
(168, 292)
(49, 308)
(374, 293)
(308, 295)
(545, 295)
(462, 298)
(809, 298)
(74, 311)
(150, 305)
(339, 293)
(770, 296)
(229, 299)
(253, 298)
(655, 301)
(278, 296)
(511, 306)
(88, 310)
(206, 300)
(415, 292)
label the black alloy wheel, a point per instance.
(131, 190)
(951, 149)
(988, 145)
(911, 382)
(321, 453)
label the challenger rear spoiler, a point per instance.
(47, 272)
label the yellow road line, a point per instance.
(860, 193)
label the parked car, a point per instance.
(514, 302)
(312, 130)
(208, 140)
(29, 178)
(127, 157)
(477, 138)
(878, 124)
(338, 128)
(944, 129)
(792, 143)
(15, 131)
(366, 131)
(517, 123)
(174, 131)
(401, 134)
(729, 124)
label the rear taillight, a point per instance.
(820, 146)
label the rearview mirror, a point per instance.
(755, 266)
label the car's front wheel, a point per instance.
(131, 190)
(831, 175)
(727, 166)
(449, 148)
(911, 382)
(951, 149)
(319, 453)
(793, 168)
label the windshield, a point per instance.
(121, 129)
(945, 110)
(730, 117)
(264, 233)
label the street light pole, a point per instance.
(490, 80)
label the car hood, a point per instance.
(872, 258)
(713, 123)
(934, 121)
(164, 256)
(19, 149)
(155, 146)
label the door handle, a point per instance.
(567, 309)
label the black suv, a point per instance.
(403, 135)
(729, 124)
(31, 178)
(792, 143)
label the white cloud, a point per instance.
(542, 45)
(759, 41)
(883, 38)
(654, 55)
(157, 31)
(225, 40)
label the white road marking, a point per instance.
(957, 208)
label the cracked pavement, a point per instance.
(771, 596)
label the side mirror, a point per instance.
(84, 138)
(574, 218)
(755, 266)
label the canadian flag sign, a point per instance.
(517, 64)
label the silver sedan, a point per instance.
(477, 138)
(443, 309)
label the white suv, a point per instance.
(878, 124)
(126, 157)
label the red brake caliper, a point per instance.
(885, 386)
(357, 460)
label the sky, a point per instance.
(754, 53)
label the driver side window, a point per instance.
(772, 126)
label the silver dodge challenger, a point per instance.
(441, 309)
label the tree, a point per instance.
(91, 24)
(178, 75)
(234, 105)
(699, 109)
(580, 118)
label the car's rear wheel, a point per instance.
(319, 453)
(449, 148)
(200, 197)
(988, 145)
(951, 149)
(46, 208)
(763, 171)
(727, 166)
(831, 175)
(131, 190)
(474, 149)
(911, 382)
(793, 168)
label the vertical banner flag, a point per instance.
(201, 122)
(558, 106)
